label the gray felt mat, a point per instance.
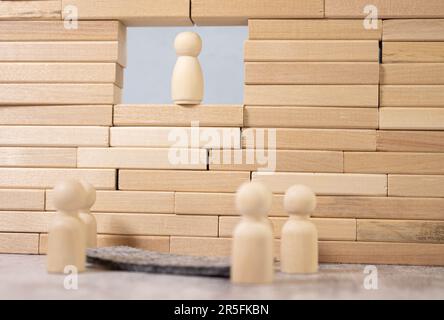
(137, 260)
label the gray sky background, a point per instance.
(151, 59)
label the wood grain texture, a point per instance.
(151, 243)
(49, 136)
(216, 203)
(413, 30)
(197, 246)
(414, 141)
(171, 180)
(237, 12)
(412, 96)
(328, 229)
(172, 115)
(55, 94)
(142, 158)
(412, 73)
(386, 8)
(326, 183)
(400, 231)
(276, 160)
(312, 95)
(126, 202)
(56, 31)
(21, 221)
(311, 51)
(311, 117)
(30, 10)
(311, 73)
(19, 200)
(19, 243)
(395, 52)
(311, 139)
(416, 186)
(38, 157)
(380, 208)
(311, 30)
(81, 115)
(61, 73)
(38, 178)
(135, 12)
(394, 162)
(411, 118)
(177, 137)
(63, 51)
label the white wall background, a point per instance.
(151, 59)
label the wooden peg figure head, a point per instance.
(69, 196)
(188, 44)
(253, 199)
(300, 200)
(90, 196)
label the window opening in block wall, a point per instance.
(151, 59)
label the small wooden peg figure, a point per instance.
(66, 238)
(252, 260)
(87, 218)
(299, 241)
(187, 86)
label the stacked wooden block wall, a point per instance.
(358, 117)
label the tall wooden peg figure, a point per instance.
(87, 218)
(252, 260)
(66, 238)
(299, 240)
(187, 86)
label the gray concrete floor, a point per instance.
(25, 277)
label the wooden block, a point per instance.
(415, 186)
(61, 73)
(38, 178)
(412, 118)
(38, 157)
(84, 115)
(22, 199)
(412, 73)
(412, 96)
(63, 51)
(199, 181)
(216, 203)
(18, 221)
(196, 246)
(394, 162)
(312, 30)
(311, 73)
(413, 30)
(276, 160)
(380, 208)
(237, 12)
(312, 95)
(312, 51)
(381, 253)
(414, 141)
(309, 117)
(157, 224)
(135, 12)
(328, 229)
(142, 158)
(56, 31)
(48, 136)
(151, 243)
(127, 202)
(172, 115)
(400, 231)
(386, 8)
(326, 183)
(30, 10)
(177, 137)
(19, 243)
(313, 139)
(53, 94)
(412, 52)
